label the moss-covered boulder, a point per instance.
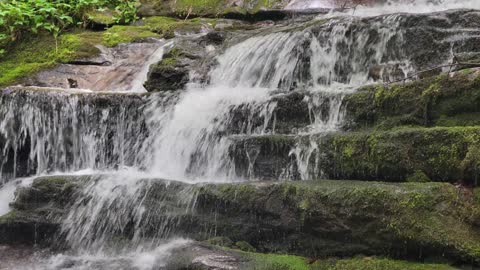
(344, 218)
(171, 73)
(312, 218)
(441, 153)
(208, 8)
(441, 100)
(28, 113)
(35, 212)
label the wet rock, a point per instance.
(375, 155)
(314, 218)
(205, 257)
(119, 67)
(452, 100)
(264, 157)
(216, 38)
(164, 77)
(31, 116)
(190, 60)
(238, 9)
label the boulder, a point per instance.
(311, 218)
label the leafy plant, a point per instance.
(20, 17)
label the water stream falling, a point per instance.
(187, 135)
(48, 131)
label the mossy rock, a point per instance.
(244, 246)
(289, 262)
(448, 154)
(418, 177)
(220, 241)
(442, 101)
(410, 217)
(311, 218)
(206, 8)
(36, 53)
(39, 53)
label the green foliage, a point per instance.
(288, 262)
(245, 246)
(418, 177)
(21, 17)
(278, 262)
(35, 53)
(376, 264)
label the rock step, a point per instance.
(309, 218)
(444, 100)
(445, 154)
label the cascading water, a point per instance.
(48, 131)
(187, 136)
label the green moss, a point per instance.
(125, 34)
(382, 216)
(38, 53)
(418, 177)
(207, 8)
(171, 58)
(441, 153)
(220, 241)
(10, 216)
(101, 17)
(440, 100)
(278, 262)
(35, 54)
(244, 246)
(476, 195)
(377, 264)
(462, 119)
(288, 262)
(157, 27)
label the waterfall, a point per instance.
(124, 203)
(49, 131)
(137, 83)
(405, 6)
(325, 59)
(188, 135)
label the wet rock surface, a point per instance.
(115, 69)
(422, 132)
(57, 117)
(331, 218)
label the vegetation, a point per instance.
(207, 8)
(288, 262)
(436, 101)
(35, 54)
(401, 220)
(21, 17)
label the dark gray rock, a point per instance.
(314, 218)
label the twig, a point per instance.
(190, 9)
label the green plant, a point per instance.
(21, 17)
(418, 177)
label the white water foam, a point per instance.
(7, 193)
(191, 139)
(139, 259)
(137, 84)
(413, 7)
